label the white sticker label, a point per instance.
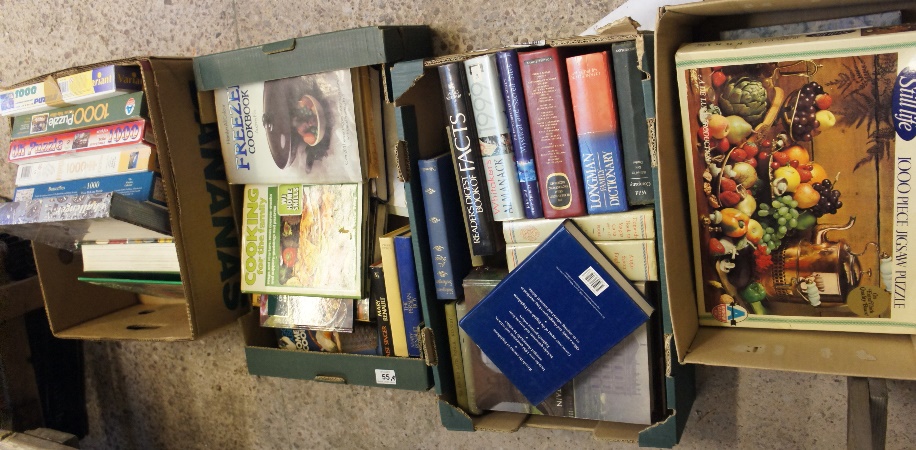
(593, 280)
(383, 376)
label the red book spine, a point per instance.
(553, 133)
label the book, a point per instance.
(380, 303)
(883, 19)
(448, 245)
(94, 84)
(397, 199)
(476, 260)
(454, 349)
(164, 285)
(493, 134)
(80, 141)
(558, 312)
(798, 254)
(62, 222)
(130, 256)
(591, 87)
(517, 115)
(634, 128)
(141, 186)
(133, 158)
(393, 290)
(363, 340)
(123, 108)
(410, 291)
(553, 134)
(310, 313)
(292, 130)
(623, 226)
(635, 259)
(469, 168)
(304, 239)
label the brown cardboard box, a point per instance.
(201, 220)
(852, 354)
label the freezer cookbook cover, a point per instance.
(799, 151)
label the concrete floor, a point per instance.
(199, 394)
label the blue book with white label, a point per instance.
(560, 310)
(410, 291)
(140, 186)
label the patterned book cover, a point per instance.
(292, 130)
(635, 259)
(142, 186)
(493, 135)
(304, 239)
(591, 87)
(634, 129)
(108, 111)
(363, 340)
(448, 245)
(553, 134)
(92, 139)
(94, 84)
(561, 309)
(799, 155)
(469, 163)
(130, 159)
(623, 226)
(517, 114)
(410, 291)
(310, 313)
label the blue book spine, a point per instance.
(602, 173)
(448, 246)
(517, 115)
(410, 291)
(142, 186)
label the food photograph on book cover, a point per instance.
(799, 164)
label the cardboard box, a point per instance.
(202, 224)
(306, 55)
(421, 120)
(851, 354)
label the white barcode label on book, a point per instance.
(593, 280)
(384, 376)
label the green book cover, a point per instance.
(112, 110)
(634, 129)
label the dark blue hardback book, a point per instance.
(448, 245)
(140, 186)
(410, 291)
(556, 313)
(517, 112)
(469, 161)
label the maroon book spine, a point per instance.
(553, 133)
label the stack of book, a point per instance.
(310, 151)
(87, 177)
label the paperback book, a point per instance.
(798, 152)
(559, 311)
(362, 341)
(164, 285)
(304, 239)
(122, 255)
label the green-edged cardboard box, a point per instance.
(421, 125)
(367, 46)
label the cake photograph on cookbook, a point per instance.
(798, 153)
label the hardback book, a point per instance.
(410, 291)
(623, 226)
(562, 308)
(397, 199)
(454, 348)
(789, 251)
(448, 244)
(293, 130)
(62, 222)
(635, 259)
(123, 108)
(553, 134)
(131, 159)
(164, 285)
(884, 19)
(493, 134)
(80, 141)
(363, 340)
(633, 125)
(380, 302)
(591, 87)
(517, 115)
(469, 162)
(94, 84)
(305, 239)
(123, 255)
(393, 290)
(141, 186)
(310, 313)
(476, 260)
